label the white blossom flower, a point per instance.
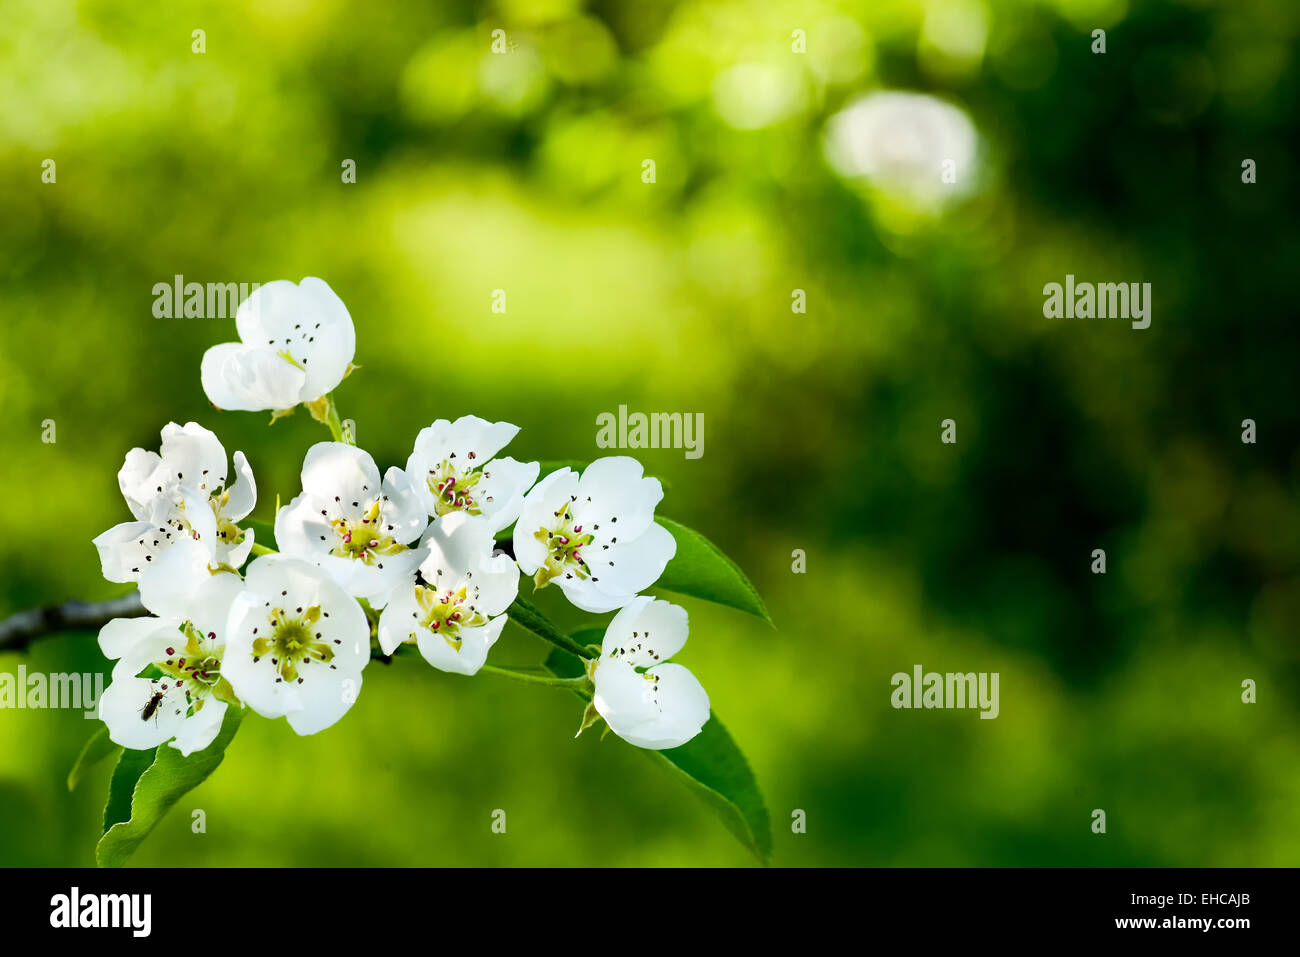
(296, 644)
(193, 458)
(179, 495)
(645, 699)
(128, 551)
(455, 616)
(297, 342)
(358, 528)
(167, 684)
(454, 469)
(595, 536)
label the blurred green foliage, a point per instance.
(522, 171)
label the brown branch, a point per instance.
(20, 629)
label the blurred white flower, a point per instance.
(899, 143)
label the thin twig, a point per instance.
(537, 679)
(20, 629)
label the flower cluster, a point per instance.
(367, 563)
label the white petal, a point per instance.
(126, 551)
(651, 714)
(613, 488)
(467, 443)
(403, 516)
(253, 682)
(195, 508)
(302, 531)
(236, 555)
(209, 607)
(501, 490)
(160, 538)
(194, 455)
(374, 582)
(631, 565)
(270, 313)
(460, 552)
(497, 580)
(331, 344)
(136, 480)
(473, 652)
(149, 651)
(589, 596)
(243, 492)
(306, 320)
(272, 574)
(457, 543)
(646, 632)
(119, 636)
(200, 729)
(123, 550)
(250, 379)
(173, 577)
(685, 707)
(623, 697)
(538, 512)
(322, 702)
(122, 706)
(400, 620)
(338, 473)
(346, 627)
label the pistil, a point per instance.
(564, 545)
(293, 642)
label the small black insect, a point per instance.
(152, 706)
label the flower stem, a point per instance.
(551, 680)
(526, 614)
(324, 411)
(263, 549)
(336, 426)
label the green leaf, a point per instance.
(96, 749)
(159, 785)
(701, 570)
(711, 765)
(527, 615)
(130, 766)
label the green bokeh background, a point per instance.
(522, 171)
